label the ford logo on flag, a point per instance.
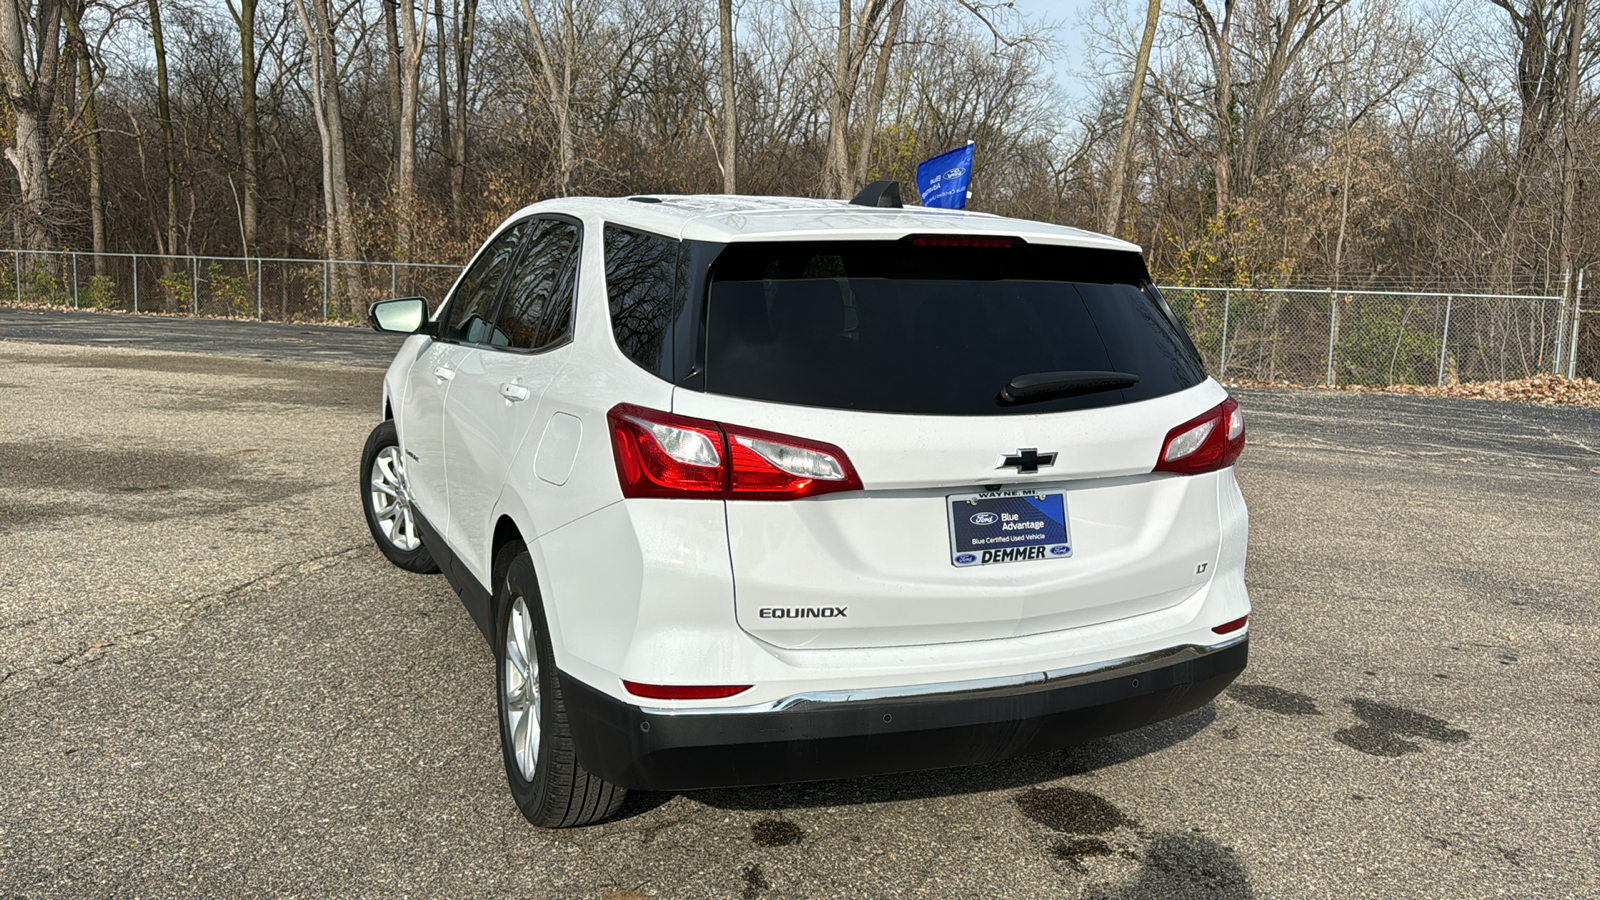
(984, 518)
(953, 173)
(964, 558)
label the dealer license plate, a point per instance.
(1008, 526)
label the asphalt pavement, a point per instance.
(212, 684)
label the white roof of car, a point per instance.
(725, 218)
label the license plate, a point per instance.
(1008, 526)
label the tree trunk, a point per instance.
(442, 76)
(1218, 44)
(28, 64)
(251, 138)
(467, 17)
(392, 54)
(836, 167)
(414, 36)
(558, 86)
(1569, 153)
(1119, 166)
(164, 112)
(730, 118)
(880, 83)
(91, 126)
(339, 227)
(1222, 162)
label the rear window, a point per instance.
(893, 327)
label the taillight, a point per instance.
(1205, 443)
(660, 454)
(768, 466)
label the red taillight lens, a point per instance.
(660, 454)
(1230, 627)
(1205, 443)
(684, 691)
(768, 466)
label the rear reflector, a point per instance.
(1229, 627)
(1205, 443)
(660, 454)
(685, 691)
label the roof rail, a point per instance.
(880, 193)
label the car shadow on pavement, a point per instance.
(996, 776)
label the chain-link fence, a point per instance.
(298, 290)
(1304, 336)
(1295, 335)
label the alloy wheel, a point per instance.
(391, 500)
(520, 689)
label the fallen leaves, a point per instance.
(1533, 389)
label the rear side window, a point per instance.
(537, 310)
(641, 274)
(894, 327)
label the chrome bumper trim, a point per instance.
(1127, 665)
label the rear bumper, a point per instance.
(839, 736)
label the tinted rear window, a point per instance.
(892, 327)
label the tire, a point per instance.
(549, 786)
(386, 500)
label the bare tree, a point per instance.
(89, 113)
(169, 156)
(394, 79)
(730, 113)
(558, 64)
(466, 24)
(856, 33)
(1570, 125)
(30, 53)
(880, 81)
(1119, 165)
(1217, 39)
(413, 35)
(244, 17)
(339, 222)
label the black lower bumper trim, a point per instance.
(628, 746)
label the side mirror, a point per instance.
(408, 315)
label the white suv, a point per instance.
(756, 490)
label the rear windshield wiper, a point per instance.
(1036, 386)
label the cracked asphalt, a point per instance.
(211, 683)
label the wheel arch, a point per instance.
(506, 533)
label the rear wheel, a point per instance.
(386, 500)
(550, 788)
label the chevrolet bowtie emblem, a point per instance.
(1027, 461)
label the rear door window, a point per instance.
(537, 311)
(935, 330)
(471, 316)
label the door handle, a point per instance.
(513, 392)
(443, 373)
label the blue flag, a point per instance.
(942, 181)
